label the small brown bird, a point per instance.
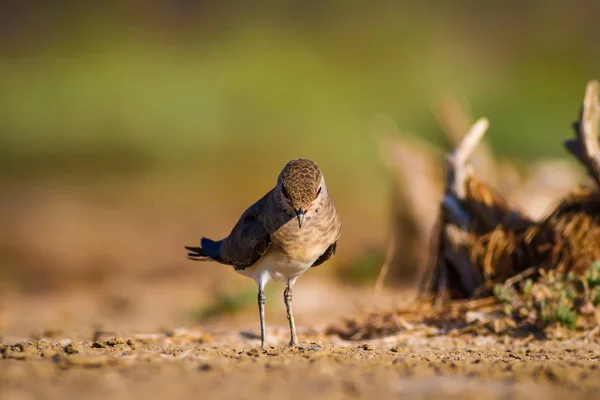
(295, 226)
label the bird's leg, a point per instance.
(287, 297)
(261, 309)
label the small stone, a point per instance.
(253, 352)
(23, 347)
(114, 341)
(73, 348)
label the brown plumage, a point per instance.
(301, 179)
(293, 227)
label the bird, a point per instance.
(294, 227)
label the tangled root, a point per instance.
(482, 240)
(569, 238)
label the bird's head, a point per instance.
(300, 186)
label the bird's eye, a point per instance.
(319, 191)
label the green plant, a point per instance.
(567, 300)
(566, 317)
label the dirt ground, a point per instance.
(81, 345)
(204, 365)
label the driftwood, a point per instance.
(419, 185)
(469, 210)
(482, 239)
(573, 228)
(585, 147)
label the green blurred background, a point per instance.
(130, 128)
(133, 86)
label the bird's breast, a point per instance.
(302, 246)
(320, 229)
(277, 264)
(307, 254)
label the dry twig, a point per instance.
(585, 146)
(457, 167)
(391, 251)
(520, 276)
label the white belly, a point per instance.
(276, 265)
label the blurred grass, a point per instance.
(209, 101)
(364, 269)
(141, 98)
(230, 302)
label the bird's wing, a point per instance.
(325, 256)
(249, 240)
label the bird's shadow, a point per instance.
(249, 335)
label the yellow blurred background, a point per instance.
(131, 128)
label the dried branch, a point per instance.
(454, 119)
(585, 146)
(520, 276)
(481, 239)
(453, 252)
(391, 252)
(457, 167)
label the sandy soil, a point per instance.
(61, 353)
(187, 364)
(137, 339)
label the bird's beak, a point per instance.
(300, 215)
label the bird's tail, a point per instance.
(208, 250)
